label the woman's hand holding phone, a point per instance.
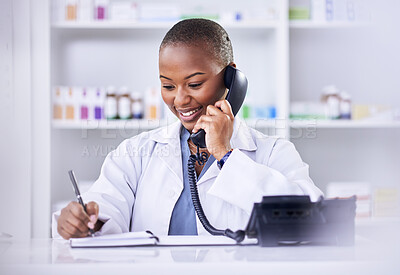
(218, 125)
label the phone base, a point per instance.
(286, 220)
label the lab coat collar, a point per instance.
(170, 137)
(241, 136)
(168, 148)
(168, 134)
(241, 139)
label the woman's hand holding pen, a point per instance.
(218, 125)
(75, 223)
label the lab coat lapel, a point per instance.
(168, 149)
(241, 139)
(212, 172)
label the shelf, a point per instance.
(156, 25)
(142, 124)
(145, 124)
(347, 124)
(251, 25)
(263, 123)
(307, 24)
(111, 25)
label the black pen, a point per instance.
(78, 194)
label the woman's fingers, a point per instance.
(68, 230)
(225, 107)
(92, 210)
(75, 222)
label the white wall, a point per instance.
(15, 118)
(40, 51)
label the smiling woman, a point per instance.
(192, 60)
(144, 183)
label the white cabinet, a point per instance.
(284, 62)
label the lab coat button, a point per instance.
(171, 194)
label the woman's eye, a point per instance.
(168, 87)
(195, 85)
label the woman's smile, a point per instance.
(191, 115)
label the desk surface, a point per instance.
(44, 256)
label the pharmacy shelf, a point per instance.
(111, 25)
(147, 124)
(264, 123)
(346, 124)
(140, 124)
(156, 25)
(273, 24)
(307, 24)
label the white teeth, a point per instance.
(190, 112)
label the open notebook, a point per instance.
(145, 238)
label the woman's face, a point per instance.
(191, 80)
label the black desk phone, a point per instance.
(277, 219)
(295, 220)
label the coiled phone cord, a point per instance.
(202, 158)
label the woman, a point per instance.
(143, 184)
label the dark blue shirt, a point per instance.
(183, 219)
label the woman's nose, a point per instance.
(182, 97)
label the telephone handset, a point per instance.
(236, 82)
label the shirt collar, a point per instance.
(184, 134)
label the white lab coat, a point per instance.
(141, 181)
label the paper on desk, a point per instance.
(115, 240)
(147, 238)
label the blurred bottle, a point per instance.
(345, 106)
(58, 102)
(100, 9)
(137, 105)
(70, 10)
(152, 104)
(70, 104)
(124, 103)
(331, 99)
(111, 111)
(85, 11)
(99, 103)
(84, 104)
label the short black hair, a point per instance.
(192, 32)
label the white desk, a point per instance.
(45, 256)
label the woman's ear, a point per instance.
(233, 64)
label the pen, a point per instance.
(78, 194)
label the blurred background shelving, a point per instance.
(286, 61)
